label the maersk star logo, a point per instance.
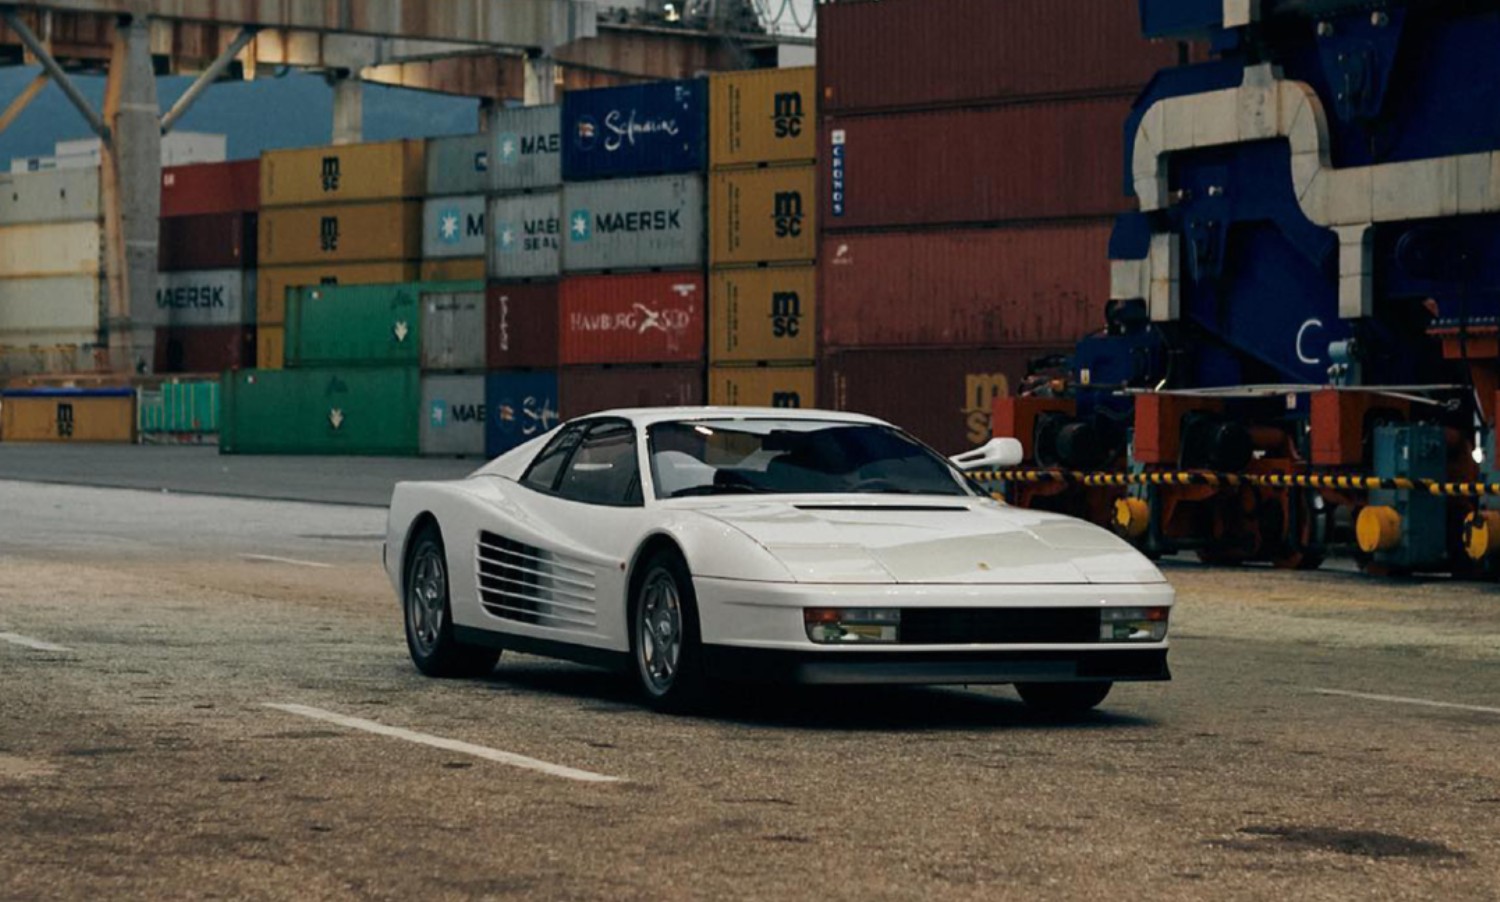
(439, 413)
(507, 238)
(581, 225)
(450, 226)
(510, 148)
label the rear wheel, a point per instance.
(1063, 699)
(429, 618)
(665, 643)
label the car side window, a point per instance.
(605, 469)
(546, 466)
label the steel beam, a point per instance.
(23, 100)
(50, 65)
(209, 76)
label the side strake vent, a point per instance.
(525, 584)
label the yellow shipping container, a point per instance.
(341, 233)
(352, 172)
(100, 415)
(272, 282)
(763, 116)
(56, 249)
(459, 269)
(270, 347)
(763, 216)
(765, 314)
(763, 386)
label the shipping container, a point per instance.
(763, 116)
(526, 240)
(454, 227)
(205, 349)
(210, 188)
(941, 395)
(274, 281)
(392, 170)
(359, 325)
(521, 325)
(763, 386)
(642, 318)
(341, 233)
(519, 406)
(270, 347)
(646, 129)
(461, 269)
(453, 333)
(321, 411)
(1048, 160)
(975, 287)
(582, 390)
(63, 195)
(765, 314)
(43, 312)
(527, 153)
(633, 224)
(209, 241)
(903, 54)
(453, 414)
(178, 410)
(459, 165)
(67, 415)
(763, 216)
(31, 360)
(59, 249)
(217, 297)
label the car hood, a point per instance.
(933, 539)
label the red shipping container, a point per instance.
(583, 390)
(205, 349)
(1047, 160)
(205, 188)
(208, 241)
(904, 54)
(646, 318)
(520, 322)
(941, 396)
(974, 287)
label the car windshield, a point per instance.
(724, 457)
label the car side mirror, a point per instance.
(997, 452)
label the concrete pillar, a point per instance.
(348, 111)
(541, 80)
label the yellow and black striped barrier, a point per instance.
(1234, 480)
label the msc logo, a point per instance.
(787, 214)
(786, 399)
(331, 174)
(65, 421)
(786, 314)
(580, 225)
(787, 114)
(328, 233)
(980, 392)
(454, 226)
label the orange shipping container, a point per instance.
(272, 282)
(341, 233)
(68, 415)
(270, 347)
(762, 386)
(763, 116)
(459, 269)
(763, 314)
(763, 216)
(353, 172)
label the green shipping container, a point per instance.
(370, 411)
(179, 408)
(359, 325)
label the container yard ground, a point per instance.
(138, 757)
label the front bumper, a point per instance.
(900, 666)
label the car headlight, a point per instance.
(1133, 624)
(841, 626)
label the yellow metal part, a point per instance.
(1132, 517)
(1482, 534)
(1378, 529)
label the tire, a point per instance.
(428, 616)
(666, 647)
(1063, 699)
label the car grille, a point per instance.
(998, 626)
(525, 584)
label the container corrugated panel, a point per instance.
(453, 414)
(462, 269)
(64, 195)
(341, 233)
(648, 129)
(763, 215)
(270, 347)
(762, 386)
(766, 314)
(206, 189)
(274, 281)
(31, 360)
(633, 224)
(340, 174)
(459, 165)
(454, 227)
(526, 240)
(519, 406)
(942, 396)
(321, 411)
(68, 415)
(374, 325)
(763, 116)
(50, 311)
(205, 349)
(582, 390)
(521, 321)
(211, 241)
(916, 53)
(453, 333)
(527, 153)
(975, 287)
(59, 249)
(179, 408)
(217, 297)
(644, 318)
(1027, 161)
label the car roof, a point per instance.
(646, 416)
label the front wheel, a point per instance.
(665, 642)
(1062, 699)
(429, 617)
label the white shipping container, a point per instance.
(40, 312)
(215, 297)
(63, 195)
(453, 412)
(633, 224)
(453, 227)
(526, 236)
(61, 249)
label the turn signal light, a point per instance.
(1133, 624)
(841, 626)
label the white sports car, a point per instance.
(692, 546)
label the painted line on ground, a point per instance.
(1403, 700)
(285, 560)
(452, 745)
(28, 642)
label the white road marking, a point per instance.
(452, 745)
(1403, 700)
(285, 560)
(27, 641)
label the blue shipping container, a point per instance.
(519, 406)
(650, 129)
